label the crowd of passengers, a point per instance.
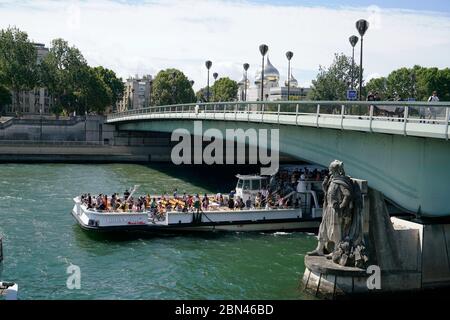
(277, 194)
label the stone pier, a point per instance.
(404, 255)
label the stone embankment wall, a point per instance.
(78, 139)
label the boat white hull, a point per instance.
(239, 220)
(11, 293)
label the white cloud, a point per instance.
(148, 36)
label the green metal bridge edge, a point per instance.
(413, 172)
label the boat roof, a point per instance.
(250, 177)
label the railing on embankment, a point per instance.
(426, 119)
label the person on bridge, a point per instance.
(432, 110)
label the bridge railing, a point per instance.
(305, 112)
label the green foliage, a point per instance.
(333, 83)
(378, 85)
(201, 95)
(18, 60)
(224, 90)
(171, 86)
(114, 84)
(63, 72)
(74, 85)
(95, 93)
(417, 82)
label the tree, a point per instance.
(201, 95)
(114, 84)
(95, 94)
(378, 85)
(171, 86)
(401, 84)
(333, 83)
(224, 90)
(64, 71)
(18, 61)
(417, 82)
(5, 98)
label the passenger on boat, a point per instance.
(258, 200)
(126, 194)
(205, 202)
(248, 204)
(113, 202)
(197, 205)
(230, 202)
(89, 198)
(190, 202)
(105, 202)
(239, 204)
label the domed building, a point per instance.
(272, 90)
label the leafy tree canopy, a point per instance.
(417, 83)
(114, 83)
(171, 86)
(18, 60)
(332, 83)
(224, 90)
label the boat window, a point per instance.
(256, 184)
(246, 185)
(239, 184)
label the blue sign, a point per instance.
(352, 94)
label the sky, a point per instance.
(144, 36)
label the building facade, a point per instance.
(137, 93)
(33, 102)
(272, 91)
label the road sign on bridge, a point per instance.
(352, 94)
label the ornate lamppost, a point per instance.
(215, 75)
(246, 66)
(362, 26)
(208, 65)
(289, 56)
(353, 41)
(263, 49)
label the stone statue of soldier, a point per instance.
(340, 232)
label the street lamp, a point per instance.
(246, 66)
(208, 65)
(353, 41)
(215, 75)
(362, 26)
(289, 56)
(263, 49)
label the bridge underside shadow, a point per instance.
(411, 171)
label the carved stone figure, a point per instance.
(340, 232)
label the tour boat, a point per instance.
(9, 290)
(305, 215)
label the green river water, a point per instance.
(41, 239)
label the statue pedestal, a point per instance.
(409, 256)
(326, 279)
